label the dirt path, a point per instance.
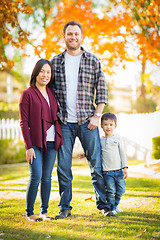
(133, 171)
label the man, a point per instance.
(77, 75)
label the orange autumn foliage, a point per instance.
(146, 15)
(101, 35)
(10, 29)
(107, 36)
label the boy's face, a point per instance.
(108, 127)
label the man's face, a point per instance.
(73, 37)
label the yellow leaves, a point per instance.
(38, 50)
(5, 65)
(157, 2)
(105, 36)
(10, 64)
(25, 55)
(94, 29)
(9, 26)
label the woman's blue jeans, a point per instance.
(90, 141)
(40, 172)
(115, 187)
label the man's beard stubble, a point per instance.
(73, 48)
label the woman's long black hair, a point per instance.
(37, 70)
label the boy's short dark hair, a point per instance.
(73, 23)
(107, 116)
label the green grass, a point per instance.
(140, 219)
(135, 162)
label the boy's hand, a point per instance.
(125, 173)
(81, 155)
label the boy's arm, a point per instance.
(123, 157)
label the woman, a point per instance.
(42, 135)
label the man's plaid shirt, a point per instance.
(90, 78)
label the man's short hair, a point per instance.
(110, 116)
(73, 23)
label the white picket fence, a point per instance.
(137, 131)
(140, 128)
(10, 129)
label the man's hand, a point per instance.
(30, 154)
(94, 122)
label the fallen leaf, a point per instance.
(90, 198)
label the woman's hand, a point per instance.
(30, 154)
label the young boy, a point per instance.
(114, 162)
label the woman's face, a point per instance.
(44, 76)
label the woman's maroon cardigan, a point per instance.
(36, 118)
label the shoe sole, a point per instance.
(45, 218)
(60, 217)
(32, 220)
(108, 214)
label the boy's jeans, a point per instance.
(115, 187)
(40, 171)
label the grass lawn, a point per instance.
(140, 219)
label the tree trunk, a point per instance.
(143, 88)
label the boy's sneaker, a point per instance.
(118, 209)
(114, 212)
(105, 212)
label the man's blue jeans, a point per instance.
(40, 171)
(115, 187)
(90, 141)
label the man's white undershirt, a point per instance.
(71, 71)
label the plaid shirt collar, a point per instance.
(62, 55)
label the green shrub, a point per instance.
(11, 151)
(9, 110)
(156, 147)
(9, 114)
